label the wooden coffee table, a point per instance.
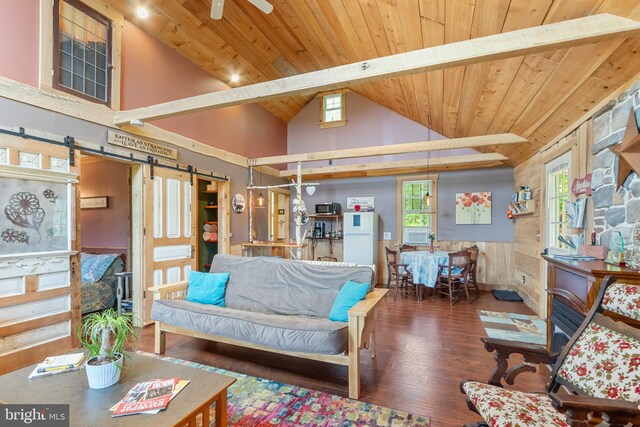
(91, 407)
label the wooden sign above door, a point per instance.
(127, 141)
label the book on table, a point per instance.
(149, 397)
(64, 361)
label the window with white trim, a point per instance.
(332, 110)
(418, 200)
(557, 220)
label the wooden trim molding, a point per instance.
(102, 115)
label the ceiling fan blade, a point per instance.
(216, 9)
(263, 5)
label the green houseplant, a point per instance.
(105, 334)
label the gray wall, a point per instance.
(17, 114)
(499, 181)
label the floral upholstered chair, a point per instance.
(595, 379)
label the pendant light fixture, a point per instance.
(260, 198)
(427, 196)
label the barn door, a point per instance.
(39, 262)
(169, 230)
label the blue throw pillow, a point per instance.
(348, 296)
(207, 288)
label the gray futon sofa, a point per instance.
(276, 305)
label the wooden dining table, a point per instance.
(423, 266)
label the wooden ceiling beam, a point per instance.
(382, 150)
(468, 161)
(565, 34)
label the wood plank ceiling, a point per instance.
(536, 96)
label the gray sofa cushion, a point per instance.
(286, 332)
(280, 286)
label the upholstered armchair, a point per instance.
(596, 378)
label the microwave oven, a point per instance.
(328, 209)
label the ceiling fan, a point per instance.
(218, 5)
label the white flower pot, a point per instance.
(101, 376)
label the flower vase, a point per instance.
(431, 248)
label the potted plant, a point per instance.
(105, 334)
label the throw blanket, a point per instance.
(94, 266)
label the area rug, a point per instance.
(514, 327)
(254, 401)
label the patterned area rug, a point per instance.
(254, 401)
(514, 327)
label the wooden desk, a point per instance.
(89, 407)
(577, 283)
(280, 249)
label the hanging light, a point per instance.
(260, 198)
(427, 196)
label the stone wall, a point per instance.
(614, 209)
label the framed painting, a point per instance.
(473, 208)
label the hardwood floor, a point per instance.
(424, 348)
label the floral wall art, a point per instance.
(473, 208)
(34, 216)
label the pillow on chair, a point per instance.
(455, 270)
(207, 288)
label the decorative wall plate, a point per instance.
(237, 203)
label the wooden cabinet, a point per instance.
(576, 284)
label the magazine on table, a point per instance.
(149, 397)
(36, 374)
(64, 361)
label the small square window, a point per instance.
(332, 111)
(82, 50)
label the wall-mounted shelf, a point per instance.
(524, 207)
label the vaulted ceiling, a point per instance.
(536, 96)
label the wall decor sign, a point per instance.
(364, 202)
(581, 185)
(34, 216)
(237, 203)
(138, 144)
(473, 208)
(100, 202)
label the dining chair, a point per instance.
(452, 278)
(398, 273)
(407, 248)
(474, 251)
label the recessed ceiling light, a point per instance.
(142, 12)
(235, 78)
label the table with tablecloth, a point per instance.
(423, 265)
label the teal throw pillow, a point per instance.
(207, 288)
(348, 296)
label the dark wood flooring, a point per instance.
(424, 348)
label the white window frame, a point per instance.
(552, 199)
(433, 192)
(341, 121)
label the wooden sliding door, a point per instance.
(168, 230)
(39, 262)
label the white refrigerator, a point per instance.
(360, 235)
